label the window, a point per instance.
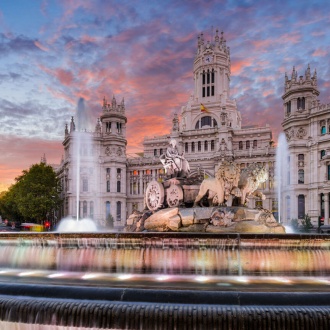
(255, 144)
(108, 185)
(328, 172)
(84, 209)
(199, 145)
(192, 146)
(205, 145)
(322, 204)
(118, 213)
(108, 171)
(118, 173)
(215, 123)
(206, 121)
(212, 145)
(301, 206)
(108, 127)
(85, 185)
(288, 108)
(247, 144)
(301, 157)
(208, 79)
(186, 147)
(155, 152)
(118, 186)
(240, 145)
(301, 103)
(197, 125)
(322, 153)
(107, 209)
(323, 130)
(301, 175)
(160, 151)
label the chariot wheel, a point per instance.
(174, 195)
(154, 195)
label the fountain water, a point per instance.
(81, 153)
(282, 173)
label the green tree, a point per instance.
(34, 195)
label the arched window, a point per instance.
(186, 147)
(247, 144)
(118, 213)
(206, 121)
(323, 130)
(322, 153)
(301, 157)
(240, 145)
(108, 185)
(199, 146)
(192, 146)
(255, 144)
(118, 186)
(206, 145)
(215, 123)
(301, 176)
(301, 206)
(155, 152)
(197, 125)
(160, 151)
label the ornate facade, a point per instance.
(208, 131)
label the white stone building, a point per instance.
(206, 138)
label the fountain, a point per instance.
(281, 172)
(82, 147)
(212, 278)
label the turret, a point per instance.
(299, 93)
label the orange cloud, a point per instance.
(41, 46)
(238, 65)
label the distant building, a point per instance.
(307, 127)
(209, 131)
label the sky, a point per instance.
(53, 52)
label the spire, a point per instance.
(294, 74)
(308, 73)
(104, 102)
(114, 102)
(72, 125)
(216, 38)
(66, 131)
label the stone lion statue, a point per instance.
(220, 188)
(249, 181)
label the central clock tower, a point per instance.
(211, 86)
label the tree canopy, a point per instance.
(34, 195)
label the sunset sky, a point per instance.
(53, 52)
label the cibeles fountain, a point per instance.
(197, 258)
(219, 204)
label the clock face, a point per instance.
(208, 59)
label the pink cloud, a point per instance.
(319, 52)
